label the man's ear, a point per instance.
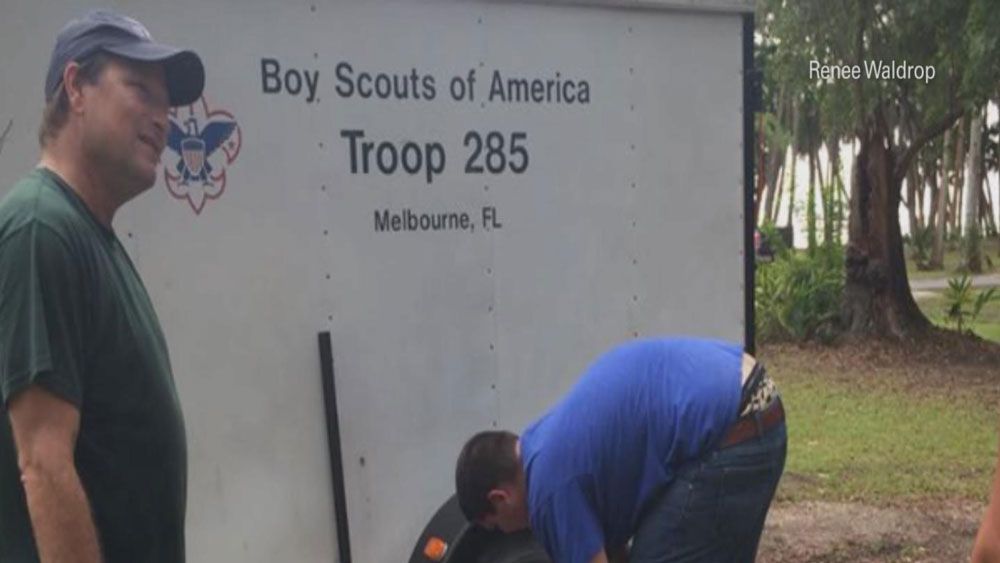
(497, 496)
(73, 86)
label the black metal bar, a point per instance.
(333, 439)
(750, 94)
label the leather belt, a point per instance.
(754, 425)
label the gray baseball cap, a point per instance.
(109, 32)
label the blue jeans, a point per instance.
(713, 512)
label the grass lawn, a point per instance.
(952, 259)
(986, 326)
(876, 424)
(882, 434)
(989, 331)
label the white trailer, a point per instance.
(463, 202)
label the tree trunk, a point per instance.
(811, 204)
(795, 143)
(930, 201)
(973, 258)
(911, 202)
(826, 190)
(773, 174)
(937, 253)
(774, 204)
(996, 102)
(986, 207)
(877, 296)
(761, 168)
(931, 180)
(777, 155)
(920, 173)
(837, 187)
(959, 164)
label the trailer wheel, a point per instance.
(520, 547)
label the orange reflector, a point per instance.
(435, 549)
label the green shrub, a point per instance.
(798, 296)
(962, 304)
(773, 237)
(921, 242)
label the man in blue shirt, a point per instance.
(674, 444)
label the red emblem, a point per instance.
(206, 142)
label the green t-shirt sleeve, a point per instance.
(41, 314)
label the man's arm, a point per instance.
(45, 429)
(601, 557)
(987, 546)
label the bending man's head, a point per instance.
(490, 482)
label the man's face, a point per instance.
(510, 510)
(125, 124)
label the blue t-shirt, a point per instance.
(636, 414)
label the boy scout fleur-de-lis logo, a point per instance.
(206, 142)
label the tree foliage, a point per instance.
(958, 38)
(893, 119)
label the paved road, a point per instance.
(985, 280)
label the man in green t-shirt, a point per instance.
(93, 460)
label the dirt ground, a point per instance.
(826, 532)
(924, 531)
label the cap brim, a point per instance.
(185, 74)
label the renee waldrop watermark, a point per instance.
(872, 70)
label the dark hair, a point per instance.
(487, 460)
(57, 109)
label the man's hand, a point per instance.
(987, 546)
(618, 554)
(45, 429)
(614, 555)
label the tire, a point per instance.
(519, 547)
